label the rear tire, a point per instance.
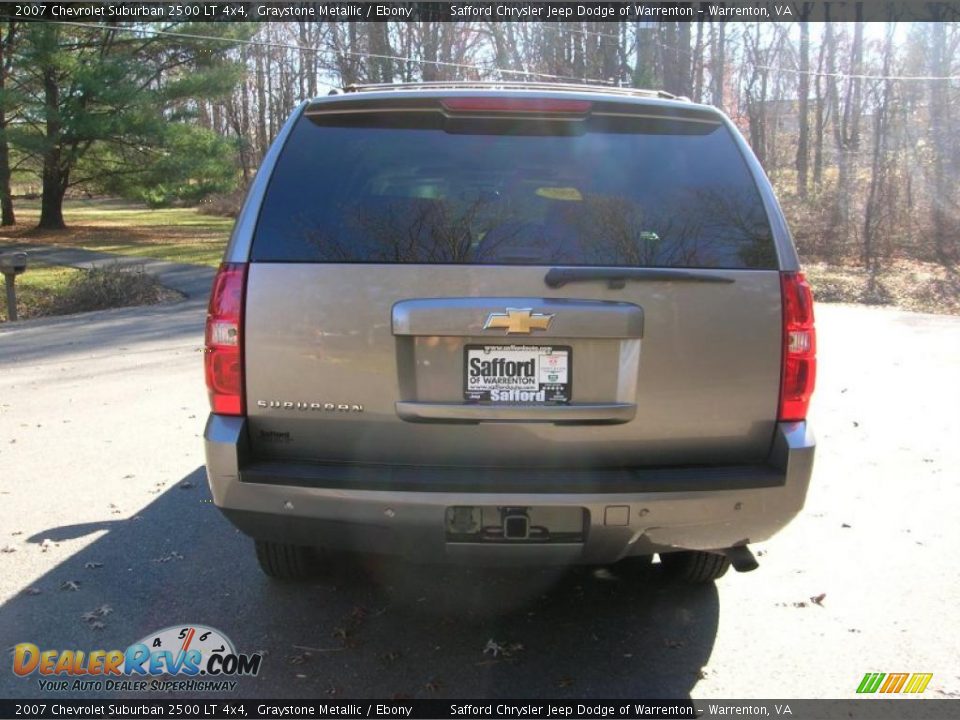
(695, 566)
(281, 561)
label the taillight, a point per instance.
(223, 352)
(516, 105)
(799, 347)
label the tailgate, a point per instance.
(663, 373)
(493, 283)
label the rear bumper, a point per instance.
(625, 512)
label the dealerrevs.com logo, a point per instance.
(181, 657)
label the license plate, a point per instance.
(517, 373)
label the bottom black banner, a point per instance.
(548, 710)
(866, 708)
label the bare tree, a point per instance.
(942, 201)
(718, 61)
(803, 104)
(821, 112)
(878, 168)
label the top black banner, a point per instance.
(383, 11)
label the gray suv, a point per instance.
(510, 323)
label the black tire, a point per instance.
(695, 566)
(281, 561)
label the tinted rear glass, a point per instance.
(386, 193)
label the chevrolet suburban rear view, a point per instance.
(510, 323)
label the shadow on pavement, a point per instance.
(366, 628)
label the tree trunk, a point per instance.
(261, 103)
(698, 65)
(847, 130)
(820, 122)
(718, 59)
(54, 186)
(643, 71)
(939, 109)
(878, 164)
(380, 44)
(668, 52)
(684, 60)
(840, 206)
(803, 151)
(610, 67)
(7, 216)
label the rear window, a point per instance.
(387, 192)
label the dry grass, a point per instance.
(907, 284)
(174, 234)
(44, 291)
(37, 290)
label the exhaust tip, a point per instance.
(742, 558)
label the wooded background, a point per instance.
(856, 123)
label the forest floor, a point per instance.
(907, 284)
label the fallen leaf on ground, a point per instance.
(93, 565)
(506, 650)
(493, 647)
(8, 549)
(818, 599)
(565, 682)
(33, 591)
(186, 485)
(72, 585)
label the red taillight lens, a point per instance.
(223, 351)
(799, 347)
(515, 105)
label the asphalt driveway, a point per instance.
(103, 504)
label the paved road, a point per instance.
(101, 484)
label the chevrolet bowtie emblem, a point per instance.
(518, 320)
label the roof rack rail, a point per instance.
(512, 85)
